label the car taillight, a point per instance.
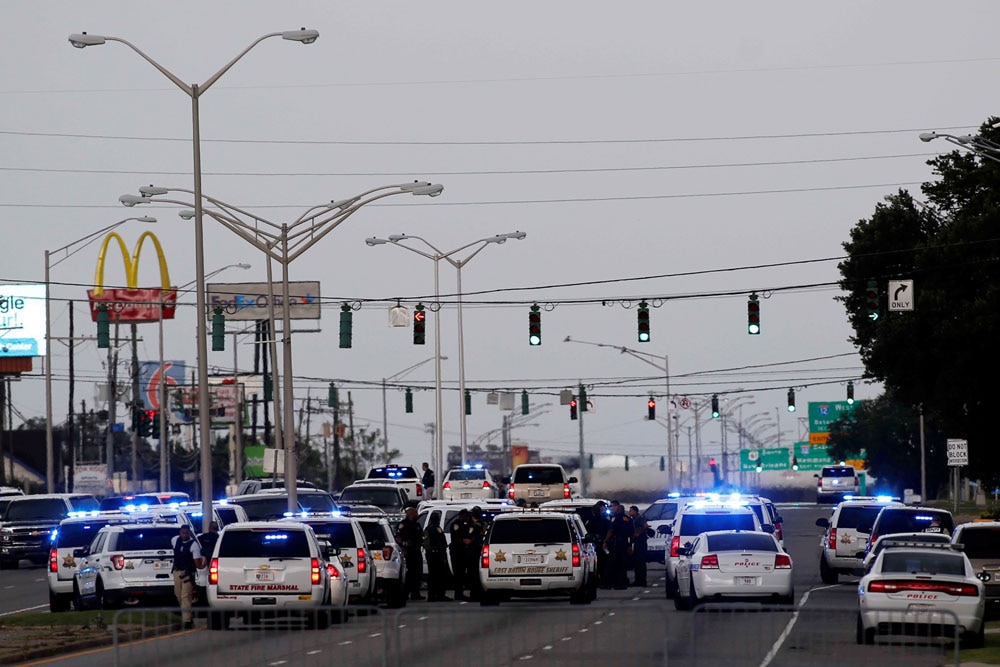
(332, 571)
(486, 484)
(510, 491)
(675, 544)
(53, 560)
(362, 561)
(576, 555)
(314, 572)
(856, 481)
(832, 543)
(782, 562)
(777, 532)
(966, 590)
(710, 562)
(565, 490)
(420, 489)
(484, 562)
(213, 572)
(819, 482)
(387, 552)
(447, 485)
(118, 560)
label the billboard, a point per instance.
(133, 303)
(224, 403)
(172, 374)
(22, 321)
(248, 301)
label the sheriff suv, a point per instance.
(539, 482)
(270, 568)
(405, 477)
(842, 547)
(346, 537)
(29, 520)
(533, 554)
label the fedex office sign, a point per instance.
(250, 301)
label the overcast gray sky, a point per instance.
(656, 148)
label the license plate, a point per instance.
(539, 493)
(919, 607)
(746, 581)
(264, 575)
(530, 559)
(466, 495)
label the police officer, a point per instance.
(410, 537)
(618, 542)
(207, 542)
(187, 560)
(597, 526)
(639, 537)
(427, 481)
(436, 548)
(461, 537)
(473, 551)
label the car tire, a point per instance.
(8, 564)
(394, 597)
(975, 639)
(218, 620)
(579, 596)
(682, 603)
(669, 589)
(59, 603)
(862, 635)
(693, 599)
(101, 601)
(787, 600)
(827, 573)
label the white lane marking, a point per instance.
(313, 652)
(349, 641)
(422, 618)
(375, 634)
(598, 622)
(566, 639)
(547, 648)
(37, 580)
(7, 587)
(526, 657)
(582, 630)
(401, 626)
(788, 629)
(279, 662)
(611, 613)
(19, 611)
(634, 599)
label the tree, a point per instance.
(940, 356)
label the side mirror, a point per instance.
(573, 480)
(663, 530)
(823, 522)
(816, 476)
(864, 528)
(650, 533)
(377, 544)
(683, 551)
(82, 552)
(778, 519)
(767, 528)
(505, 480)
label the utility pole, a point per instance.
(583, 464)
(136, 482)
(71, 419)
(336, 445)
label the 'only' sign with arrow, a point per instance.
(900, 295)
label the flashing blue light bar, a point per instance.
(923, 517)
(673, 494)
(223, 501)
(288, 515)
(276, 536)
(884, 499)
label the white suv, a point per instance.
(273, 568)
(533, 554)
(703, 517)
(390, 568)
(403, 476)
(539, 482)
(842, 547)
(348, 541)
(833, 483)
(467, 482)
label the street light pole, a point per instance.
(436, 255)
(49, 442)
(194, 91)
(978, 144)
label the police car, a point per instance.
(390, 568)
(403, 476)
(924, 589)
(740, 565)
(530, 553)
(128, 563)
(659, 517)
(223, 512)
(350, 548)
(842, 547)
(468, 482)
(274, 568)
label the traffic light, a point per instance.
(850, 392)
(643, 322)
(468, 402)
(572, 409)
(714, 467)
(149, 422)
(136, 420)
(409, 400)
(268, 388)
(525, 409)
(103, 327)
(346, 325)
(651, 404)
(156, 424)
(795, 463)
(715, 406)
(871, 299)
(331, 396)
(534, 326)
(791, 399)
(218, 330)
(753, 315)
(419, 324)
(583, 399)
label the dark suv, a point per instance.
(892, 520)
(28, 522)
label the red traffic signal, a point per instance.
(651, 404)
(419, 324)
(572, 409)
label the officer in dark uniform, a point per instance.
(207, 542)
(187, 559)
(598, 525)
(618, 543)
(410, 537)
(639, 546)
(436, 548)
(461, 537)
(474, 551)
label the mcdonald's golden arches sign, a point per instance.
(133, 303)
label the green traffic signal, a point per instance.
(218, 330)
(871, 300)
(534, 326)
(346, 325)
(103, 327)
(715, 406)
(753, 315)
(643, 324)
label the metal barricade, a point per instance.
(770, 636)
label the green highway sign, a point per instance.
(768, 458)
(812, 457)
(255, 461)
(824, 413)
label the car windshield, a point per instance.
(264, 543)
(913, 521)
(370, 495)
(538, 476)
(530, 531)
(78, 534)
(316, 502)
(37, 509)
(265, 508)
(84, 503)
(759, 511)
(742, 542)
(339, 534)
(693, 524)
(466, 475)
(839, 472)
(147, 539)
(373, 530)
(902, 561)
(981, 542)
(660, 512)
(393, 472)
(852, 516)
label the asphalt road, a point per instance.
(633, 627)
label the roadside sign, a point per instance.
(768, 458)
(812, 457)
(900, 295)
(685, 403)
(824, 413)
(958, 452)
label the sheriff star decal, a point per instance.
(845, 538)
(560, 555)
(69, 561)
(500, 557)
